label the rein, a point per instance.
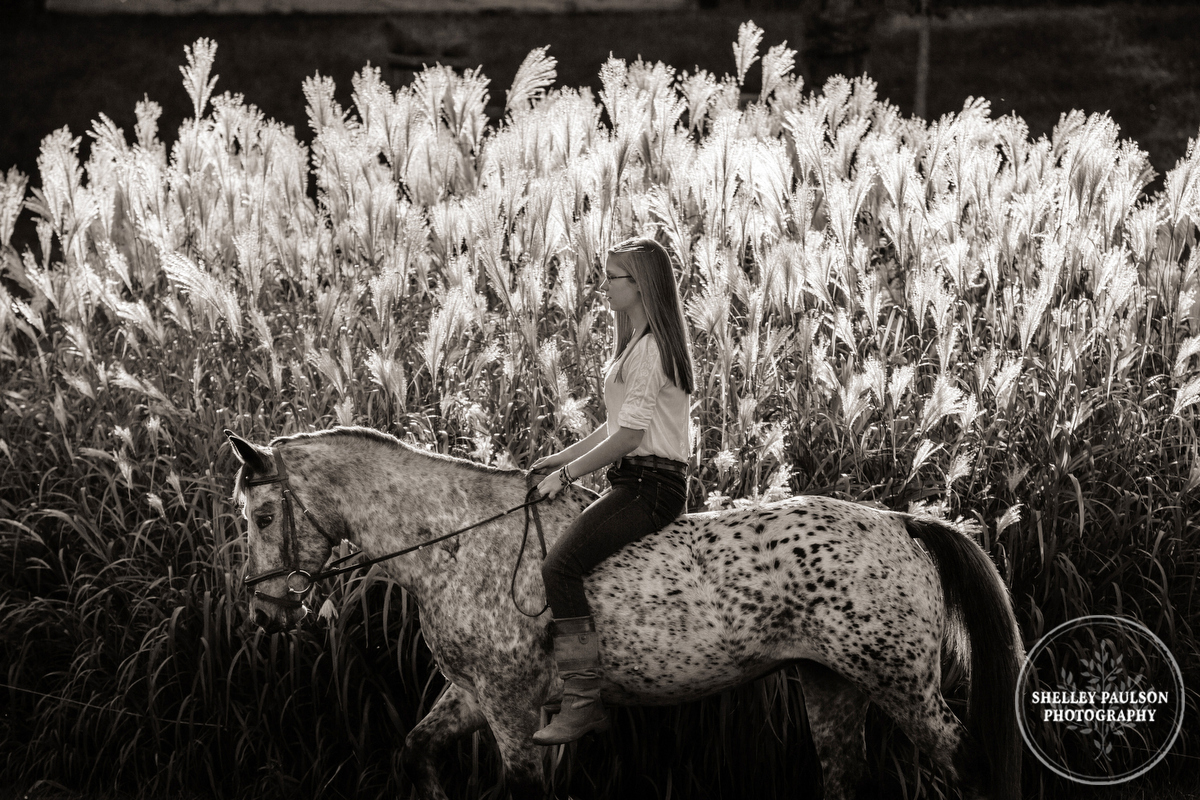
(298, 581)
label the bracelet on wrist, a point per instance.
(565, 475)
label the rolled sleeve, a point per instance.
(644, 378)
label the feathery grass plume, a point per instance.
(745, 49)
(117, 263)
(709, 310)
(672, 222)
(960, 467)
(1004, 382)
(328, 367)
(698, 91)
(946, 343)
(749, 360)
(1010, 517)
(820, 256)
(725, 461)
(777, 65)
(1119, 284)
(140, 316)
(547, 360)
(323, 111)
(656, 79)
(924, 450)
(1130, 176)
(462, 105)
(970, 412)
(1181, 190)
(41, 282)
(204, 290)
(615, 91)
(58, 165)
(373, 100)
(769, 171)
(1187, 395)
(388, 373)
(545, 221)
(344, 411)
(536, 74)
(147, 113)
(855, 398)
(875, 378)
(78, 336)
(946, 400)
(568, 411)
(900, 382)
(12, 196)
(446, 326)
(386, 289)
(122, 379)
(248, 246)
(783, 278)
(779, 486)
(1053, 255)
(1189, 348)
(985, 367)
(1141, 231)
(806, 131)
(199, 86)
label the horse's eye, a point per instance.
(264, 521)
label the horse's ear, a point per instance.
(255, 459)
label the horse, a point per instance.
(863, 601)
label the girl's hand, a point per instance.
(551, 485)
(546, 464)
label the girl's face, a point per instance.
(622, 293)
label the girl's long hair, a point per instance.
(648, 263)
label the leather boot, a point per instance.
(577, 653)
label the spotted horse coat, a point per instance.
(863, 601)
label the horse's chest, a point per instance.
(465, 645)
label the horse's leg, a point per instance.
(454, 714)
(933, 727)
(511, 711)
(837, 713)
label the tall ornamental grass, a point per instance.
(949, 315)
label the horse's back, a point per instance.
(718, 598)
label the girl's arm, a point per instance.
(621, 443)
(553, 462)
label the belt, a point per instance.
(653, 462)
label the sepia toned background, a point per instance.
(1052, 397)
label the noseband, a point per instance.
(298, 581)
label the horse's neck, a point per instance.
(406, 498)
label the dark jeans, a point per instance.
(642, 500)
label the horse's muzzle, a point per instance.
(279, 620)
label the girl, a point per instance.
(647, 391)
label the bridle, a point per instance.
(298, 581)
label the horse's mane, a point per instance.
(372, 435)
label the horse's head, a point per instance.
(287, 542)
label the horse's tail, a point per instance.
(978, 605)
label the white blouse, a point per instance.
(648, 401)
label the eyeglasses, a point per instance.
(610, 278)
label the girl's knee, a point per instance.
(556, 564)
